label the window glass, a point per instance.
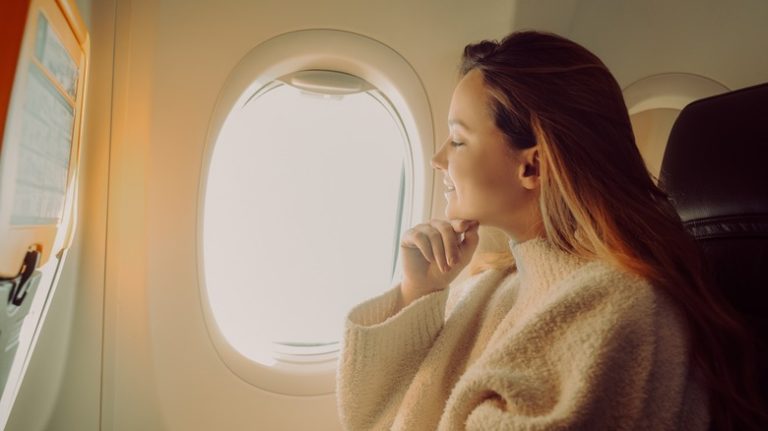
(302, 217)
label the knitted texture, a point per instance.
(562, 343)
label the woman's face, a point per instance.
(485, 179)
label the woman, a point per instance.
(601, 318)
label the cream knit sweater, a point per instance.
(562, 343)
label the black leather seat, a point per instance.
(715, 169)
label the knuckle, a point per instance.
(412, 237)
(440, 224)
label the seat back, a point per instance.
(715, 169)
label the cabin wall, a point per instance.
(724, 41)
(61, 390)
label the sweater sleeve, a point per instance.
(596, 359)
(382, 351)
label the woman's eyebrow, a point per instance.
(452, 122)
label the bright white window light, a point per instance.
(301, 219)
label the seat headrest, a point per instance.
(716, 161)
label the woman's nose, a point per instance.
(438, 160)
(434, 162)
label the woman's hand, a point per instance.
(434, 255)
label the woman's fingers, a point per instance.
(450, 241)
(433, 255)
(416, 238)
(434, 237)
(439, 243)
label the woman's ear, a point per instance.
(529, 172)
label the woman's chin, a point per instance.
(453, 214)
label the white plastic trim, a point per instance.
(324, 49)
(669, 90)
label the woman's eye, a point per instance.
(456, 144)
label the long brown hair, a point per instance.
(599, 201)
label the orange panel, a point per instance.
(13, 15)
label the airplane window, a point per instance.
(302, 215)
(655, 101)
(651, 129)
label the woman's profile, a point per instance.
(599, 317)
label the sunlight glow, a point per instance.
(300, 217)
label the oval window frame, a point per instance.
(322, 49)
(671, 90)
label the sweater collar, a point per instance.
(540, 264)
